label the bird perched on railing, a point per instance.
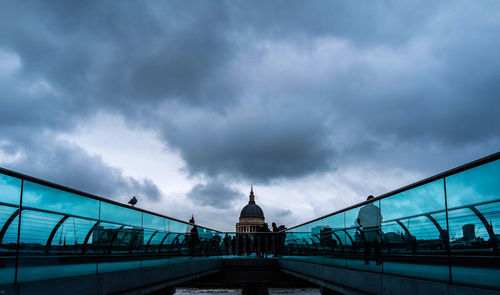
(133, 201)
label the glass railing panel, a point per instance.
(155, 232)
(156, 242)
(490, 211)
(187, 240)
(10, 190)
(474, 217)
(214, 243)
(119, 238)
(42, 197)
(119, 246)
(229, 244)
(10, 193)
(311, 241)
(54, 226)
(473, 186)
(44, 254)
(149, 256)
(155, 222)
(332, 240)
(122, 215)
(71, 234)
(363, 237)
(179, 227)
(259, 244)
(414, 233)
(295, 245)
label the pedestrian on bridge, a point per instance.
(369, 220)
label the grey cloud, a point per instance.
(283, 213)
(242, 91)
(69, 165)
(365, 23)
(256, 143)
(215, 193)
(161, 52)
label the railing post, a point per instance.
(19, 231)
(447, 230)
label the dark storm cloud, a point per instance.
(283, 213)
(215, 193)
(364, 22)
(263, 90)
(255, 143)
(71, 166)
(32, 113)
(114, 55)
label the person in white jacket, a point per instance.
(369, 220)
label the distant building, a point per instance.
(251, 216)
(118, 237)
(469, 232)
(317, 229)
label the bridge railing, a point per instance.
(445, 228)
(49, 231)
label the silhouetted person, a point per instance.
(227, 244)
(279, 237)
(275, 239)
(241, 245)
(234, 246)
(133, 201)
(369, 219)
(194, 238)
(260, 240)
(248, 245)
(265, 240)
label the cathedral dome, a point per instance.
(251, 217)
(252, 210)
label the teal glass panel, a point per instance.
(71, 234)
(332, 240)
(121, 215)
(421, 200)
(10, 193)
(179, 227)
(229, 244)
(36, 228)
(151, 221)
(474, 219)
(42, 259)
(168, 242)
(149, 235)
(294, 242)
(54, 226)
(312, 248)
(363, 237)
(155, 232)
(123, 242)
(414, 233)
(113, 238)
(474, 186)
(156, 242)
(42, 197)
(214, 247)
(10, 190)
(120, 234)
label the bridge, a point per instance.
(437, 236)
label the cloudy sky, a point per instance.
(186, 104)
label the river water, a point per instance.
(194, 291)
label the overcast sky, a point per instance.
(186, 104)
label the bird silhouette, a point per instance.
(133, 201)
